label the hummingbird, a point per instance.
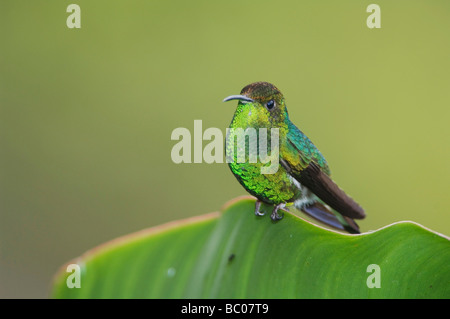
(303, 176)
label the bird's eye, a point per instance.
(270, 104)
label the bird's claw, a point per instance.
(257, 209)
(275, 216)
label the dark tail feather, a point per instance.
(351, 226)
(324, 215)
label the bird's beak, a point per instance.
(238, 97)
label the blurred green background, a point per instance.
(86, 114)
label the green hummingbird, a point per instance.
(303, 176)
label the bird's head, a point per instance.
(261, 102)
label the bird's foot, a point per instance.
(257, 208)
(275, 216)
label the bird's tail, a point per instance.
(328, 216)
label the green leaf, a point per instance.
(236, 254)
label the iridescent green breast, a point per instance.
(273, 188)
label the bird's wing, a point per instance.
(306, 164)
